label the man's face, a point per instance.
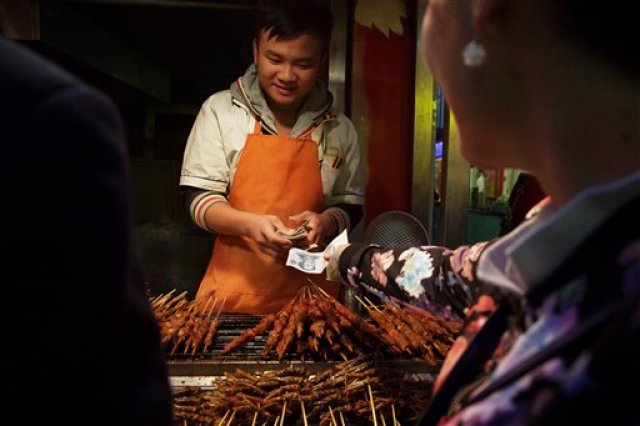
(287, 68)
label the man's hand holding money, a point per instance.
(318, 225)
(295, 234)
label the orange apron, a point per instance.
(275, 175)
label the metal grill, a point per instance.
(187, 370)
(230, 327)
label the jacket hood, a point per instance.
(247, 91)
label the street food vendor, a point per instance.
(269, 154)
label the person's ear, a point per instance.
(255, 51)
(485, 14)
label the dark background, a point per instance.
(198, 47)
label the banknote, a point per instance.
(295, 233)
(313, 262)
(305, 261)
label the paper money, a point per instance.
(296, 233)
(313, 262)
(307, 262)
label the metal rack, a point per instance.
(199, 370)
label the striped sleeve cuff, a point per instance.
(341, 217)
(201, 204)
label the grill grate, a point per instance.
(188, 370)
(230, 327)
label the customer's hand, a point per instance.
(332, 257)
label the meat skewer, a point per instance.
(391, 334)
(183, 331)
(279, 325)
(200, 327)
(197, 331)
(266, 323)
(208, 341)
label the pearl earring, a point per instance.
(473, 54)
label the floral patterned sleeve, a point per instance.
(431, 277)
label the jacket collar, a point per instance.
(247, 92)
(527, 256)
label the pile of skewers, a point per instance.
(313, 325)
(316, 325)
(186, 326)
(412, 331)
(355, 392)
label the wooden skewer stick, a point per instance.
(233, 414)
(174, 308)
(307, 292)
(363, 303)
(221, 422)
(333, 419)
(315, 286)
(156, 301)
(373, 305)
(341, 419)
(320, 289)
(163, 299)
(255, 417)
(221, 306)
(220, 309)
(215, 302)
(384, 422)
(174, 303)
(304, 414)
(206, 305)
(277, 421)
(393, 415)
(181, 295)
(373, 407)
(284, 407)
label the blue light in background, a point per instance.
(438, 149)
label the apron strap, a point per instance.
(257, 128)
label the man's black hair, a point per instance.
(292, 18)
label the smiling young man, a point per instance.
(269, 154)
